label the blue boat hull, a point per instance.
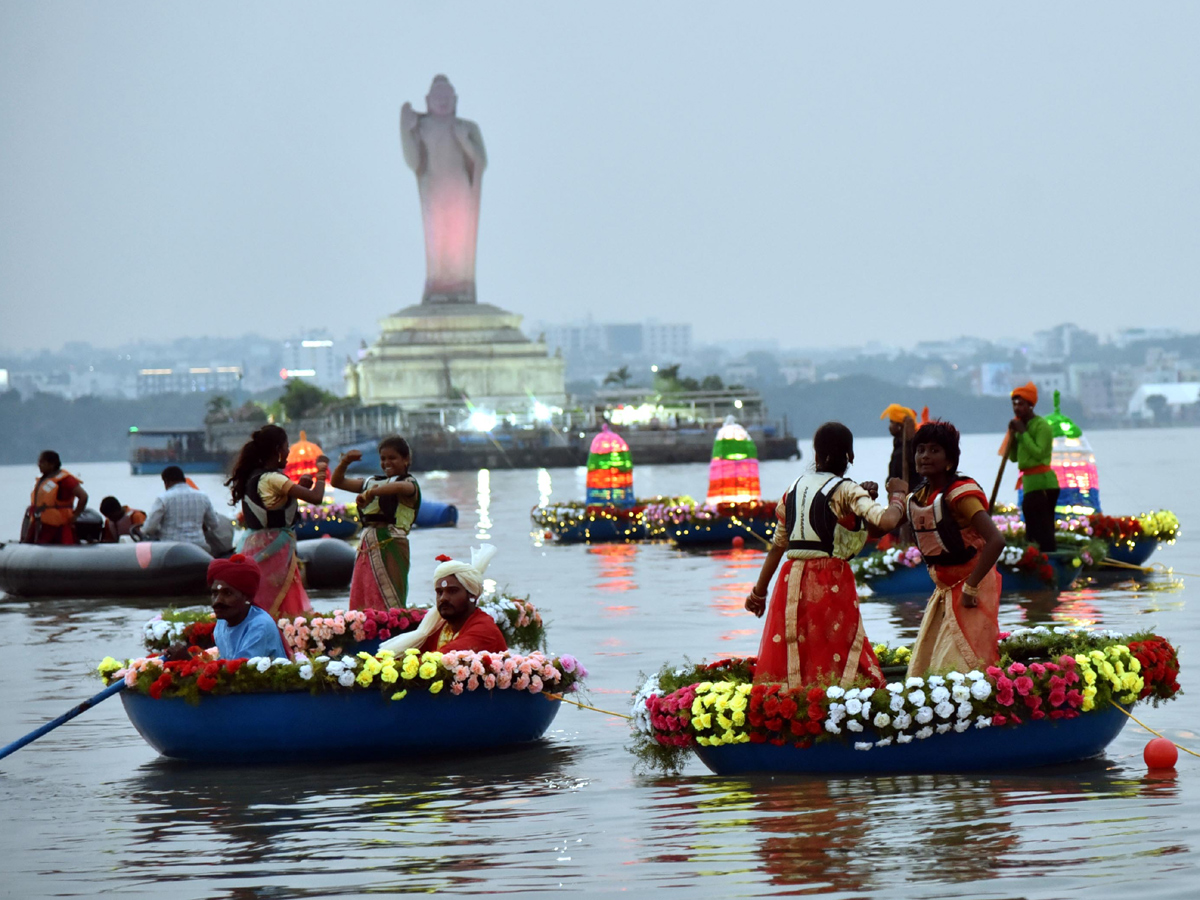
(1022, 746)
(341, 529)
(601, 531)
(916, 582)
(756, 532)
(300, 727)
(191, 467)
(1142, 550)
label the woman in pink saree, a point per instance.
(960, 544)
(269, 503)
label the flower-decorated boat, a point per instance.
(361, 706)
(733, 508)
(339, 696)
(688, 524)
(1052, 699)
(335, 520)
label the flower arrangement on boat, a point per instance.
(336, 632)
(393, 675)
(1077, 672)
(572, 520)
(327, 512)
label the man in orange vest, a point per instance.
(52, 511)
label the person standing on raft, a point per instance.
(1030, 445)
(457, 623)
(269, 504)
(960, 544)
(387, 508)
(50, 518)
(813, 633)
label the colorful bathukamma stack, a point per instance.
(610, 471)
(733, 472)
(302, 458)
(1075, 465)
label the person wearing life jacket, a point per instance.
(960, 544)
(1031, 447)
(269, 506)
(813, 633)
(387, 508)
(120, 521)
(57, 500)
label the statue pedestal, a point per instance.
(432, 353)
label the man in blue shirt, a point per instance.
(243, 630)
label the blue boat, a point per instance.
(599, 531)
(311, 529)
(1143, 548)
(303, 727)
(1030, 744)
(722, 531)
(153, 449)
(905, 583)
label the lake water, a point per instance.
(91, 809)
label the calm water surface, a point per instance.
(91, 809)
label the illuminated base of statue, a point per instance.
(434, 353)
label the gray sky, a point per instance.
(790, 171)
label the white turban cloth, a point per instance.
(469, 575)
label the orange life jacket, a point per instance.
(46, 505)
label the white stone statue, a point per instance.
(447, 155)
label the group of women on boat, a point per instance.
(813, 631)
(387, 507)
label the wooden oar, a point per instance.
(1000, 474)
(65, 717)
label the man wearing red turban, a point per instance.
(243, 630)
(1030, 446)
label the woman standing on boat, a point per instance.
(387, 508)
(269, 502)
(960, 544)
(56, 502)
(813, 633)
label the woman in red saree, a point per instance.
(960, 544)
(813, 633)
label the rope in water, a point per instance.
(1152, 731)
(1157, 568)
(607, 712)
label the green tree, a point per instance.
(620, 376)
(301, 399)
(218, 409)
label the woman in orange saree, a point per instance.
(960, 544)
(813, 633)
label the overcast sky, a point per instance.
(802, 172)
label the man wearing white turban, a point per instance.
(457, 623)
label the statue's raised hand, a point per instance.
(408, 117)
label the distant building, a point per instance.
(798, 371)
(189, 380)
(313, 358)
(667, 341)
(995, 379)
(664, 342)
(1167, 402)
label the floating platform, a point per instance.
(1028, 745)
(304, 727)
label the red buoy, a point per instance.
(1160, 754)
(739, 542)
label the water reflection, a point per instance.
(615, 566)
(433, 824)
(483, 497)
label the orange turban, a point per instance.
(1027, 392)
(897, 413)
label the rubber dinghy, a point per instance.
(1062, 704)
(145, 569)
